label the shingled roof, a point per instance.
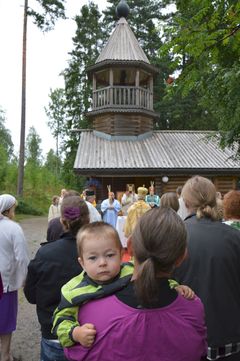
(176, 151)
(122, 45)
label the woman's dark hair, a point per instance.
(74, 213)
(170, 199)
(158, 241)
(55, 199)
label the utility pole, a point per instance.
(23, 108)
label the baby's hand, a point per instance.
(84, 334)
(185, 291)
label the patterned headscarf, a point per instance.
(6, 202)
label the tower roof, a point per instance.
(122, 46)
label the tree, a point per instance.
(66, 109)
(53, 163)
(86, 42)
(33, 161)
(33, 149)
(56, 112)
(6, 140)
(23, 106)
(52, 10)
(49, 11)
(203, 40)
(6, 150)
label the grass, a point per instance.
(20, 216)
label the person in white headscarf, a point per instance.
(13, 269)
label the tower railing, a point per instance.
(122, 96)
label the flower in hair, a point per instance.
(71, 213)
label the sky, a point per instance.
(47, 55)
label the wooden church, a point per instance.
(123, 148)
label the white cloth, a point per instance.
(60, 200)
(94, 215)
(127, 201)
(6, 202)
(13, 255)
(130, 198)
(53, 212)
(120, 229)
(182, 211)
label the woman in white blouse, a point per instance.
(13, 268)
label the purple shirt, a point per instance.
(1, 286)
(175, 332)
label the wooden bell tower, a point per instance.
(122, 77)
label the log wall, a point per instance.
(123, 124)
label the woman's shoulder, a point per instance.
(183, 311)
(192, 310)
(10, 225)
(59, 248)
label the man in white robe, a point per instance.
(110, 208)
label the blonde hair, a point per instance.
(97, 229)
(199, 194)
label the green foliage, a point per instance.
(3, 163)
(86, 43)
(53, 163)
(6, 140)
(10, 182)
(48, 11)
(203, 39)
(75, 181)
(27, 208)
(57, 115)
(33, 150)
(6, 148)
(40, 181)
(67, 107)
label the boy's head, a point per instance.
(99, 251)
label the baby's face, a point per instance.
(101, 258)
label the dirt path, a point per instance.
(26, 339)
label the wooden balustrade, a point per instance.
(122, 96)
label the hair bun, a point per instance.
(71, 213)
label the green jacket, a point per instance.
(78, 291)
(234, 224)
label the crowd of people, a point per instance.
(177, 300)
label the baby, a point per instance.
(100, 252)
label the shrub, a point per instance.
(26, 208)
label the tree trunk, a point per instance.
(23, 109)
